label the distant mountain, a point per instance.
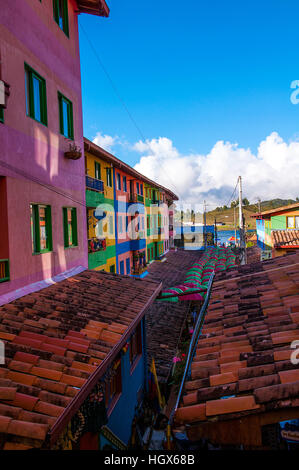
(225, 215)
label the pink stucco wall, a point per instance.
(31, 154)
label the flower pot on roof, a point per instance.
(74, 152)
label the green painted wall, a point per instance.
(94, 198)
(278, 222)
(95, 260)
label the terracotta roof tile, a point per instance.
(26, 402)
(231, 405)
(46, 373)
(48, 408)
(289, 376)
(4, 423)
(224, 378)
(191, 414)
(255, 309)
(21, 378)
(7, 393)
(25, 429)
(49, 358)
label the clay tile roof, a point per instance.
(285, 238)
(59, 340)
(243, 362)
(94, 7)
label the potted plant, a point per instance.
(74, 152)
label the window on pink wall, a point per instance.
(118, 182)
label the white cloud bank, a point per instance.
(272, 172)
(105, 141)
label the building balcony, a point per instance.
(96, 244)
(4, 270)
(156, 202)
(136, 198)
(94, 184)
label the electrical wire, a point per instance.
(115, 89)
(230, 199)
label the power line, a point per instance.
(232, 193)
(115, 89)
(112, 84)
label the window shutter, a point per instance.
(65, 228)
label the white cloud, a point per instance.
(272, 172)
(107, 142)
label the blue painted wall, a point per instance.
(121, 418)
(260, 233)
(130, 245)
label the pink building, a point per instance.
(42, 185)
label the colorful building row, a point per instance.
(278, 230)
(130, 218)
(66, 205)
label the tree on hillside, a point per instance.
(245, 201)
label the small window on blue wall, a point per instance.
(136, 344)
(128, 266)
(122, 267)
(113, 386)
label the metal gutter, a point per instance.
(77, 401)
(192, 346)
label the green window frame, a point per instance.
(109, 177)
(61, 16)
(36, 96)
(112, 268)
(66, 119)
(4, 270)
(2, 115)
(70, 229)
(41, 228)
(97, 170)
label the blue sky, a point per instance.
(193, 72)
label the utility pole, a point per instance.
(205, 224)
(241, 226)
(259, 204)
(215, 230)
(235, 226)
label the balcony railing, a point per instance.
(4, 270)
(94, 184)
(157, 202)
(96, 244)
(136, 198)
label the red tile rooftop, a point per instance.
(50, 354)
(242, 365)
